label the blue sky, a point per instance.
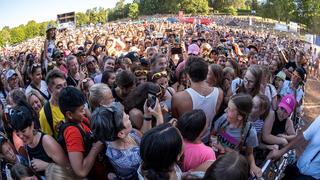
(16, 12)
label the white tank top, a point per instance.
(207, 104)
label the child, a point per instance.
(192, 126)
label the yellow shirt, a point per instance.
(57, 118)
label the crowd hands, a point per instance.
(151, 101)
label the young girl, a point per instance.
(278, 127)
(234, 132)
(192, 126)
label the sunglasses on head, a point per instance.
(159, 75)
(140, 72)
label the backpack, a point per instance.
(87, 140)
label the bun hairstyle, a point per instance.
(106, 122)
(159, 150)
(243, 102)
(21, 117)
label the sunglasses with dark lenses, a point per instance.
(159, 75)
(140, 73)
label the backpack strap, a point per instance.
(48, 113)
(247, 131)
(42, 94)
(84, 135)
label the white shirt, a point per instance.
(312, 135)
(43, 88)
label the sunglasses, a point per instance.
(140, 73)
(159, 75)
(53, 63)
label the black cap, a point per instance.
(57, 53)
(133, 56)
(30, 57)
(301, 72)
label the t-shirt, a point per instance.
(306, 165)
(57, 118)
(230, 137)
(195, 155)
(43, 88)
(72, 82)
(73, 138)
(270, 91)
(235, 84)
(286, 89)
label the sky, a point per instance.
(16, 12)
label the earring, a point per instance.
(34, 132)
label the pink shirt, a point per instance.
(195, 155)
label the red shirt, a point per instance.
(73, 138)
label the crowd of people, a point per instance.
(154, 101)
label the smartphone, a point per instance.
(152, 99)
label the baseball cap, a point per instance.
(30, 57)
(193, 49)
(281, 75)
(57, 53)
(50, 26)
(10, 73)
(133, 56)
(288, 102)
(301, 72)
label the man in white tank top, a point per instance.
(199, 96)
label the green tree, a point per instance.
(31, 29)
(17, 34)
(82, 19)
(133, 11)
(195, 6)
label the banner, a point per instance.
(309, 38)
(281, 27)
(293, 27)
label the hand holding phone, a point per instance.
(151, 101)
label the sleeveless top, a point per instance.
(38, 152)
(279, 127)
(51, 47)
(207, 104)
(125, 161)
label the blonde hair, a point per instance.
(96, 92)
(56, 172)
(37, 94)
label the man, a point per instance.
(60, 61)
(75, 135)
(159, 63)
(307, 166)
(91, 64)
(50, 115)
(125, 81)
(74, 76)
(13, 79)
(199, 96)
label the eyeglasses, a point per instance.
(140, 73)
(159, 75)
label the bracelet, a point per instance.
(147, 118)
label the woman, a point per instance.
(42, 149)
(160, 150)
(112, 126)
(182, 83)
(100, 95)
(37, 83)
(231, 166)
(49, 43)
(235, 133)
(85, 86)
(109, 78)
(278, 127)
(162, 79)
(134, 103)
(36, 101)
(215, 76)
(268, 89)
(251, 81)
(141, 74)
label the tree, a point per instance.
(31, 29)
(133, 11)
(17, 34)
(195, 6)
(82, 19)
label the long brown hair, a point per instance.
(255, 70)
